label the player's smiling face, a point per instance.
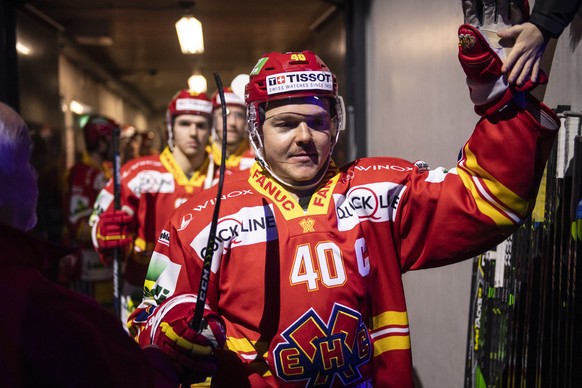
(297, 139)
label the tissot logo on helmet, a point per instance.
(302, 80)
(190, 104)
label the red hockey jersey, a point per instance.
(152, 187)
(85, 181)
(315, 297)
(242, 159)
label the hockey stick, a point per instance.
(574, 125)
(196, 322)
(574, 300)
(116, 206)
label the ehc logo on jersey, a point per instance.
(320, 352)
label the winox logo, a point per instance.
(319, 352)
(299, 80)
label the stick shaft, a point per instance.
(117, 206)
(211, 245)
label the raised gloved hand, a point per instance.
(113, 229)
(168, 328)
(482, 52)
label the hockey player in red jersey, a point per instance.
(240, 155)
(85, 179)
(152, 187)
(308, 258)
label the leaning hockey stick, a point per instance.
(209, 252)
(117, 206)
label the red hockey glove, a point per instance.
(481, 52)
(114, 229)
(168, 328)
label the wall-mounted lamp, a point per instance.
(79, 108)
(189, 30)
(22, 49)
(197, 83)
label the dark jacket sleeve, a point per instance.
(553, 16)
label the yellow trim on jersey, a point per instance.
(400, 342)
(233, 160)
(205, 383)
(142, 245)
(171, 165)
(507, 201)
(245, 346)
(390, 318)
(539, 212)
(241, 345)
(104, 167)
(382, 322)
(262, 182)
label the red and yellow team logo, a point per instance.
(318, 353)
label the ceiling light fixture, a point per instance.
(189, 30)
(197, 83)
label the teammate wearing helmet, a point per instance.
(152, 187)
(128, 143)
(239, 156)
(308, 258)
(147, 140)
(85, 179)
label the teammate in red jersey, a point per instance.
(308, 258)
(240, 155)
(152, 187)
(85, 179)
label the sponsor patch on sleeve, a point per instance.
(164, 237)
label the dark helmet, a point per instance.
(98, 128)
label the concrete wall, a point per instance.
(74, 84)
(48, 82)
(418, 108)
